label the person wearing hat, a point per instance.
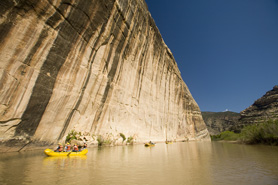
(59, 148)
(75, 148)
(67, 147)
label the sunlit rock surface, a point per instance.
(263, 109)
(92, 66)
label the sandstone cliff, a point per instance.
(92, 66)
(263, 109)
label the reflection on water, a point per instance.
(177, 163)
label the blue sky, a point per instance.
(226, 50)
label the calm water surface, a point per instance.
(178, 163)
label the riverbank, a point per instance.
(262, 133)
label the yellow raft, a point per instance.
(51, 153)
(149, 144)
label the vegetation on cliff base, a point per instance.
(123, 136)
(266, 133)
(72, 135)
(130, 140)
(226, 136)
(100, 140)
(110, 140)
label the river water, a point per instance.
(178, 163)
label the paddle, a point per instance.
(69, 153)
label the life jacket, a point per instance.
(75, 148)
(68, 147)
(60, 148)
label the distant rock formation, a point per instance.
(263, 109)
(218, 122)
(99, 67)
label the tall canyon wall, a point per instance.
(91, 66)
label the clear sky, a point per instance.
(226, 50)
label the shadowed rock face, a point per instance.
(218, 122)
(95, 66)
(263, 109)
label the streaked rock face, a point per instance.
(95, 66)
(263, 109)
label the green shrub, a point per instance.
(100, 140)
(215, 137)
(250, 134)
(229, 136)
(266, 133)
(226, 135)
(123, 136)
(108, 141)
(130, 140)
(71, 135)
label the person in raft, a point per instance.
(67, 147)
(75, 148)
(59, 148)
(84, 146)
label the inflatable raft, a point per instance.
(149, 144)
(51, 153)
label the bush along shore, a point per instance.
(261, 133)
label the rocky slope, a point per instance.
(99, 67)
(264, 108)
(220, 121)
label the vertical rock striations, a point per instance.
(95, 66)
